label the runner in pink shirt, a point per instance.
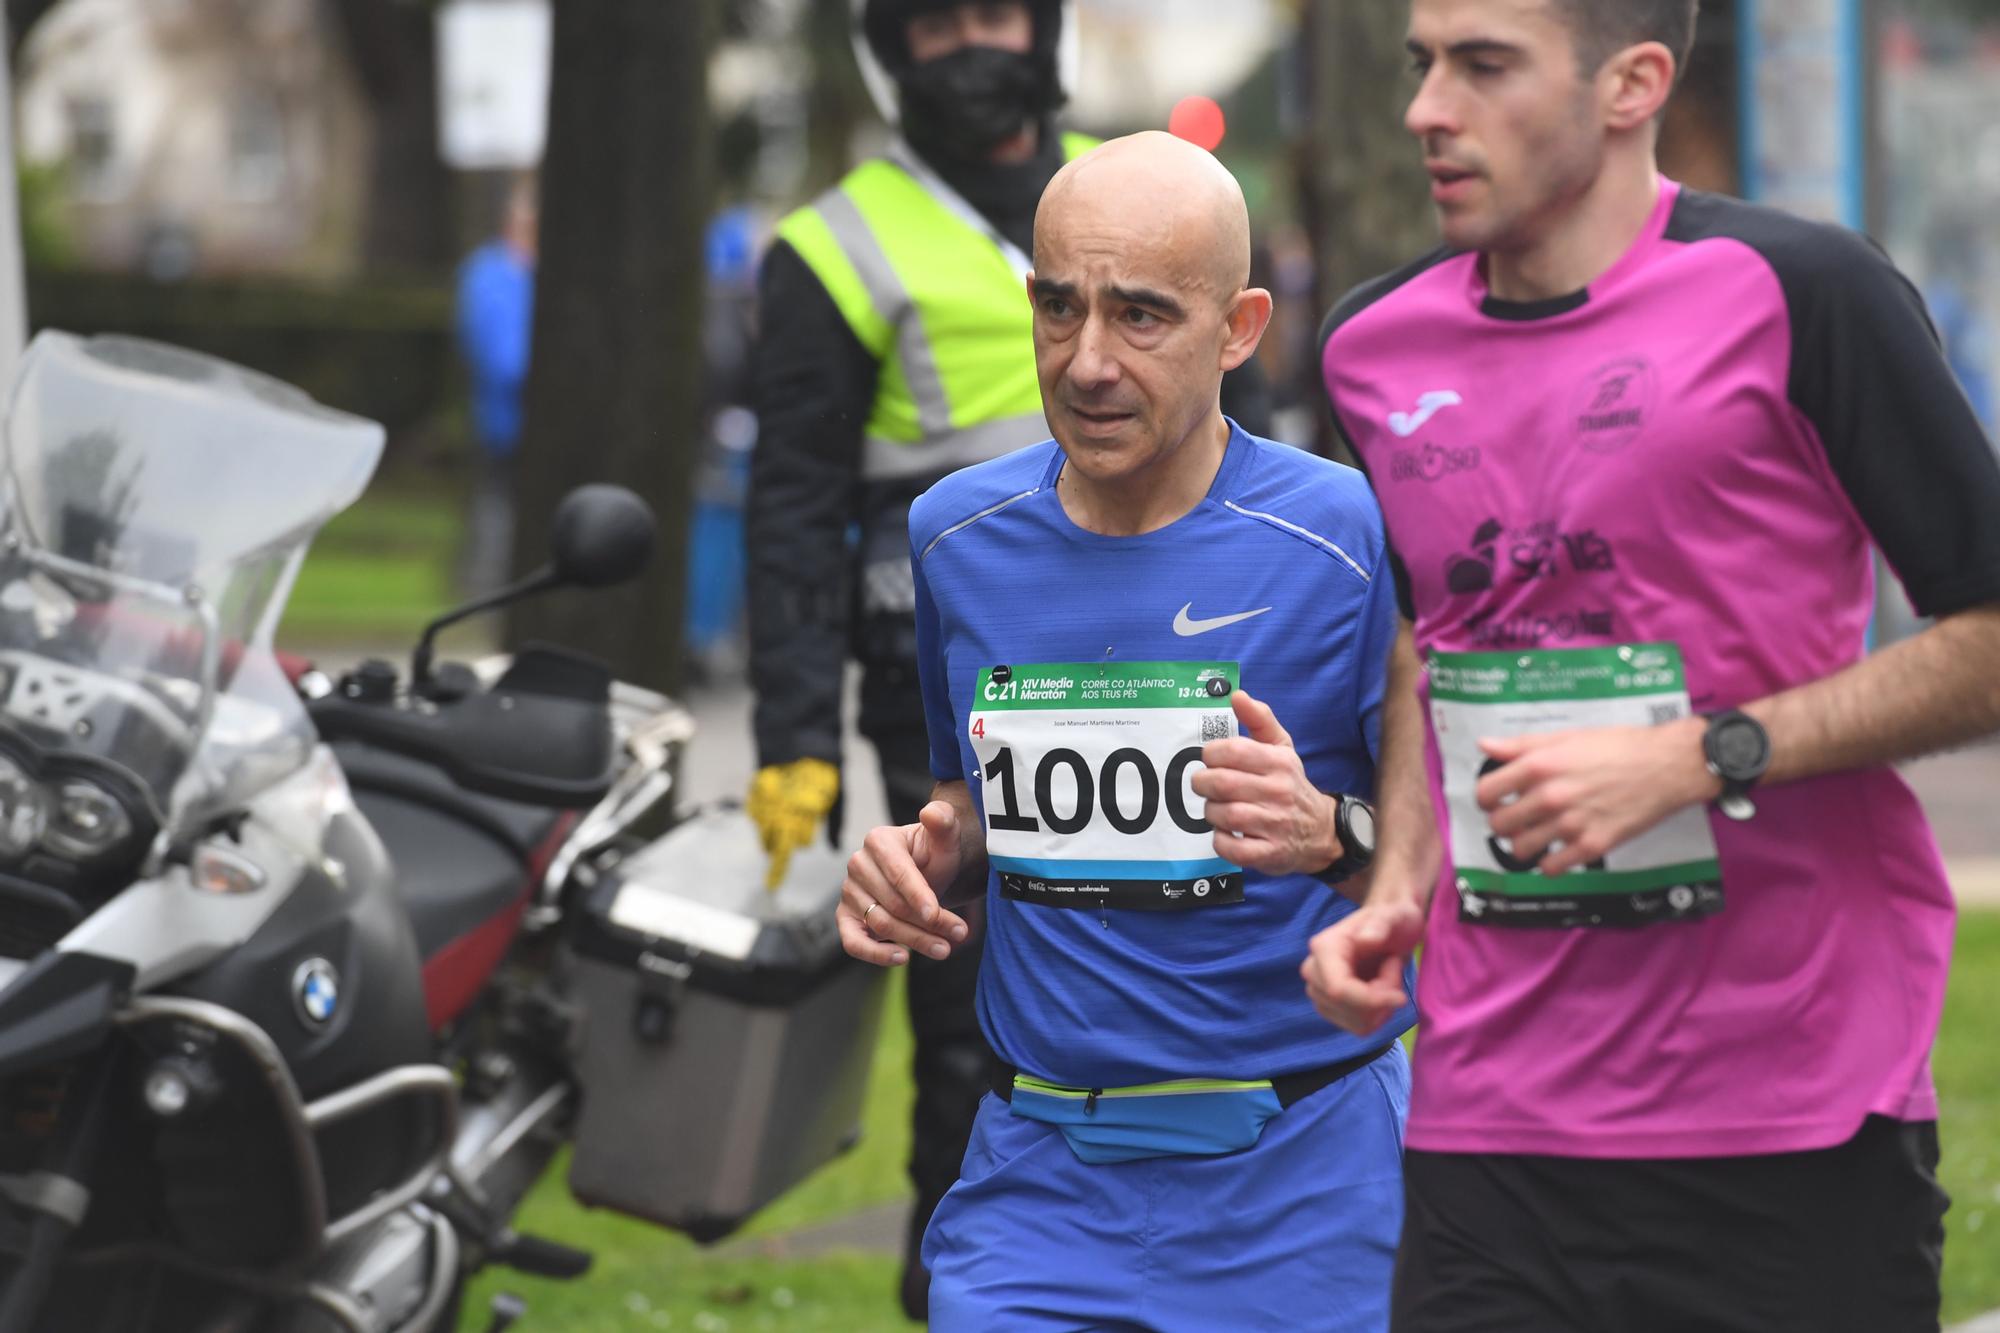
(1634, 446)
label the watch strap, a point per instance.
(1737, 777)
(1347, 864)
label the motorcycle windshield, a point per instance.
(157, 504)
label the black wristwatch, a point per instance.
(1354, 824)
(1738, 750)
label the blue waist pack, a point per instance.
(1185, 1118)
(1190, 1117)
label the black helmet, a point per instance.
(884, 23)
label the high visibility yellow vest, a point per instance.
(939, 303)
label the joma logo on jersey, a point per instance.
(1405, 424)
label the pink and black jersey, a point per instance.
(1700, 448)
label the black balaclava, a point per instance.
(960, 107)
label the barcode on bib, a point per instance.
(1664, 713)
(1215, 726)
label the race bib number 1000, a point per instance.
(1085, 772)
(1668, 873)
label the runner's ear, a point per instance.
(1635, 85)
(1248, 315)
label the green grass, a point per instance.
(1967, 1063)
(378, 572)
(646, 1278)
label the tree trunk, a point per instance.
(838, 100)
(1363, 194)
(1365, 187)
(409, 217)
(613, 391)
(1366, 198)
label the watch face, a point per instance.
(1361, 829)
(1741, 749)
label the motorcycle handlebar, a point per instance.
(542, 734)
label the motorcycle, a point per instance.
(290, 1018)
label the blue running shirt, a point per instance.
(1281, 570)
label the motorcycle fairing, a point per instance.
(165, 927)
(60, 1007)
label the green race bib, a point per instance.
(1668, 873)
(1086, 770)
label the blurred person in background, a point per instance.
(1953, 292)
(494, 321)
(895, 347)
(716, 645)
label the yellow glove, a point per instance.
(789, 803)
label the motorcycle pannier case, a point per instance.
(726, 1036)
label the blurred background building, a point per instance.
(193, 137)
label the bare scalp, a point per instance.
(1163, 192)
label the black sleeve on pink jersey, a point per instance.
(1350, 305)
(1868, 372)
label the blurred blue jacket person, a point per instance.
(494, 326)
(1968, 345)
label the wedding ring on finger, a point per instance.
(864, 921)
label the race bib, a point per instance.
(1086, 770)
(1668, 873)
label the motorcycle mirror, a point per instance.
(600, 535)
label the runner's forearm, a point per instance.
(1934, 690)
(970, 883)
(1407, 854)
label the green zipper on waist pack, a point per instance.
(1176, 1088)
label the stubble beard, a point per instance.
(1562, 168)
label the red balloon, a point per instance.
(1198, 120)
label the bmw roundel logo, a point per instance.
(316, 992)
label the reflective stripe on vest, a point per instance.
(931, 294)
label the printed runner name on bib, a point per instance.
(1085, 769)
(1668, 873)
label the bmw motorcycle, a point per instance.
(284, 1037)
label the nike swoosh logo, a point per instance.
(1188, 628)
(1406, 424)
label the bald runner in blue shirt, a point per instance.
(1152, 654)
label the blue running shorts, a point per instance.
(1297, 1232)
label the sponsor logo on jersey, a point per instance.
(1523, 630)
(1432, 463)
(1497, 554)
(1616, 404)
